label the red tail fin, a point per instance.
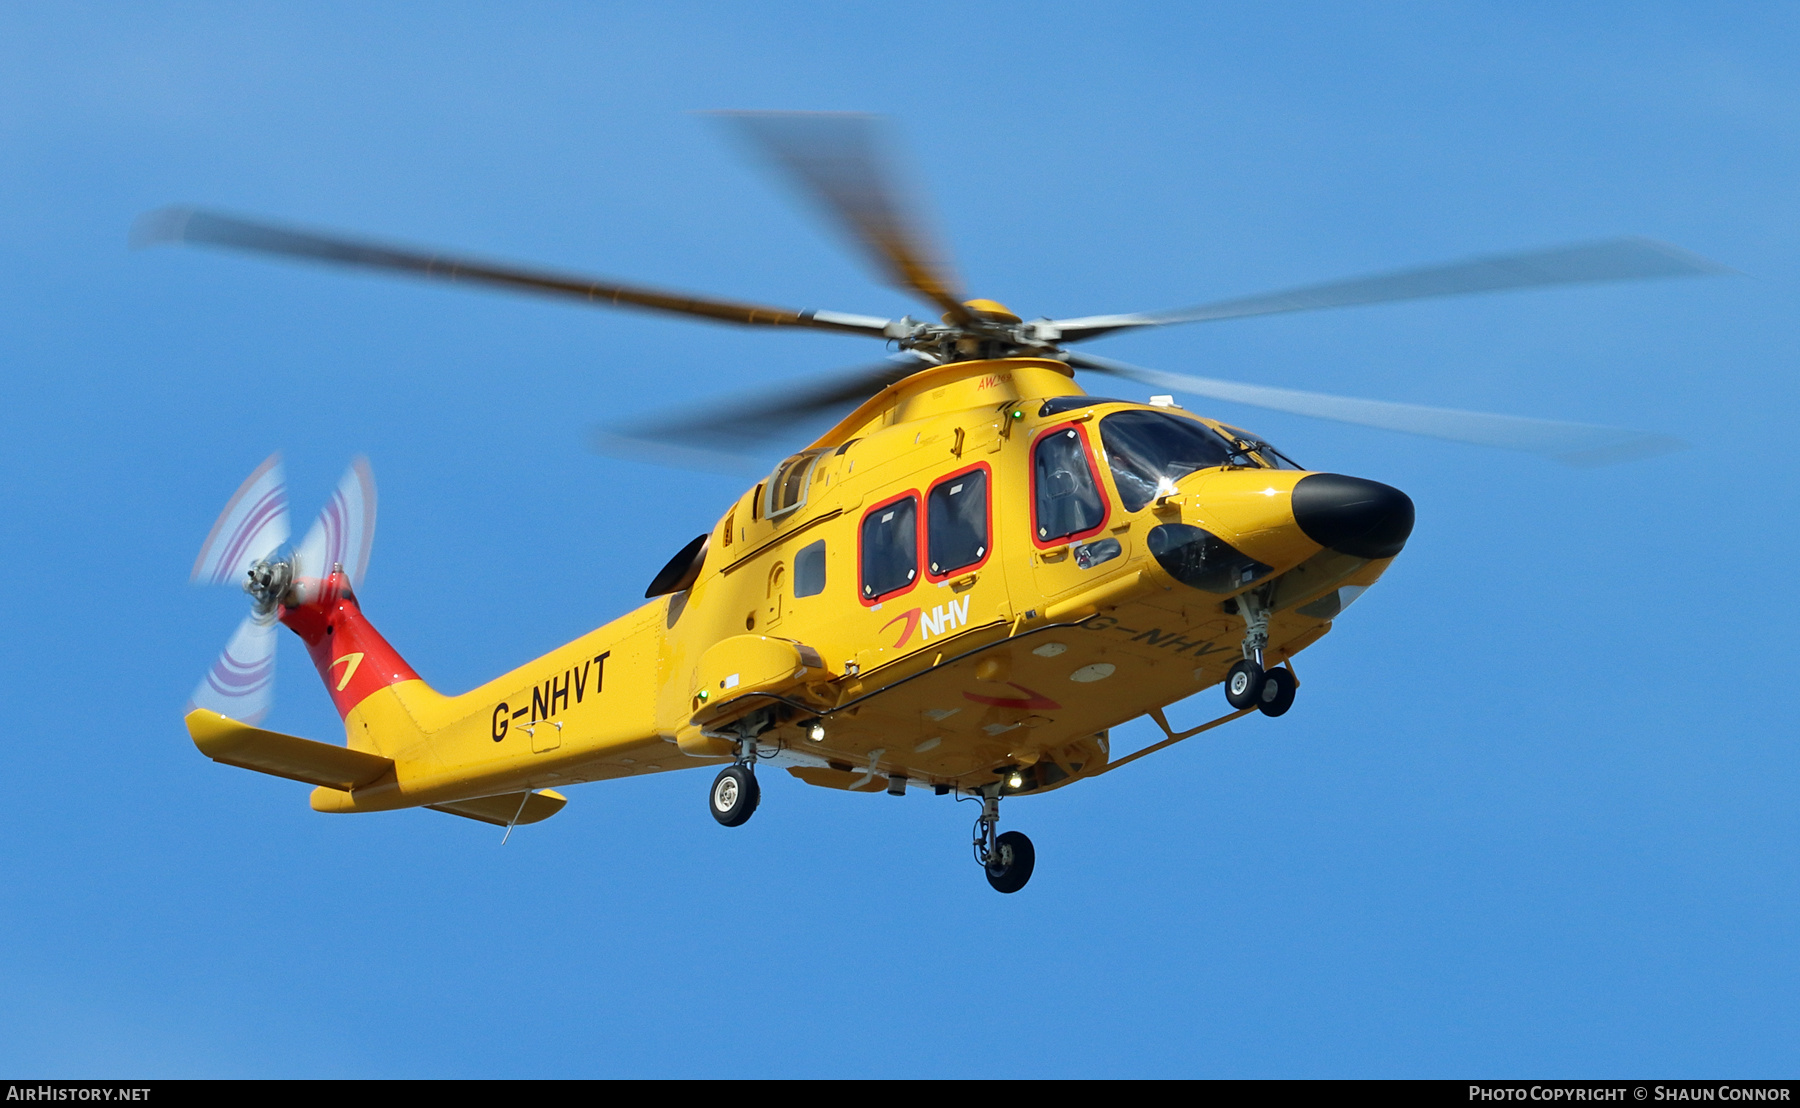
(351, 656)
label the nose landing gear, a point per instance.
(1247, 684)
(1008, 857)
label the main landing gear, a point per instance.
(1247, 684)
(1007, 857)
(735, 793)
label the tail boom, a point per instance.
(583, 712)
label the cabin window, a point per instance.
(890, 548)
(956, 517)
(809, 570)
(1065, 494)
(1148, 452)
(786, 490)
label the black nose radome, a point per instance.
(1366, 519)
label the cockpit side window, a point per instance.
(1065, 495)
(1149, 451)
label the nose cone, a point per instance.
(1365, 519)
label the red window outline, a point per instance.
(918, 547)
(925, 521)
(1087, 450)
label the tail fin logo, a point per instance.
(349, 662)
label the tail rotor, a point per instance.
(249, 546)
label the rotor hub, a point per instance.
(267, 582)
(988, 311)
(995, 332)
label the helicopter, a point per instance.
(962, 587)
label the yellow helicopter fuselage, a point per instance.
(804, 632)
(963, 586)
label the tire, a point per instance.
(1012, 861)
(734, 795)
(1244, 685)
(1277, 692)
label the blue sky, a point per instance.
(1534, 812)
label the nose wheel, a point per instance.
(1008, 857)
(1277, 694)
(1243, 684)
(1248, 685)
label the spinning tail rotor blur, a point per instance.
(248, 546)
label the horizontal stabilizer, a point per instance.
(226, 740)
(505, 810)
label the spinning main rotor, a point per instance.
(836, 160)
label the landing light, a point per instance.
(1016, 780)
(816, 733)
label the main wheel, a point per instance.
(1244, 684)
(1009, 867)
(734, 795)
(1277, 691)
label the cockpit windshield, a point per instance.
(1150, 451)
(1252, 444)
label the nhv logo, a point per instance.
(943, 619)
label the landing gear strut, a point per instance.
(1007, 857)
(735, 793)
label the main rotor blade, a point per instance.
(193, 225)
(733, 433)
(1576, 444)
(836, 157)
(1622, 259)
